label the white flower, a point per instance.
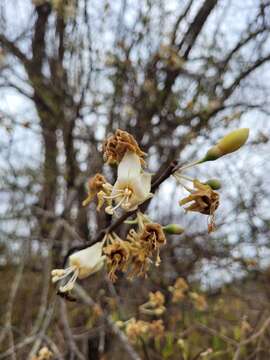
(132, 186)
(82, 264)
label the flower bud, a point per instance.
(228, 144)
(173, 229)
(215, 184)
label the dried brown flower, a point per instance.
(203, 200)
(181, 284)
(140, 261)
(153, 236)
(156, 299)
(95, 185)
(135, 329)
(139, 255)
(199, 301)
(178, 290)
(155, 305)
(149, 238)
(116, 145)
(117, 255)
(157, 329)
(178, 295)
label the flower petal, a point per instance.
(129, 168)
(88, 260)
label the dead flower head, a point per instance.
(155, 305)
(199, 301)
(117, 144)
(140, 261)
(157, 329)
(95, 185)
(178, 290)
(203, 200)
(139, 256)
(153, 236)
(136, 328)
(117, 255)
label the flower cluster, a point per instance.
(139, 329)
(132, 186)
(180, 291)
(202, 198)
(133, 253)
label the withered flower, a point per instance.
(157, 329)
(136, 328)
(140, 261)
(144, 243)
(95, 185)
(117, 255)
(203, 200)
(116, 145)
(199, 301)
(153, 236)
(155, 305)
(139, 254)
(178, 290)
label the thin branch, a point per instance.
(82, 294)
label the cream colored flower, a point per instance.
(132, 186)
(82, 264)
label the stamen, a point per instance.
(125, 194)
(178, 179)
(59, 274)
(119, 204)
(187, 166)
(113, 196)
(70, 284)
(188, 178)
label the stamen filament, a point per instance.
(113, 196)
(69, 285)
(187, 166)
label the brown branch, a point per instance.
(84, 297)
(14, 50)
(179, 20)
(196, 26)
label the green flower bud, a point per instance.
(215, 184)
(228, 144)
(173, 229)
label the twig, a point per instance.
(68, 332)
(82, 294)
(251, 338)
